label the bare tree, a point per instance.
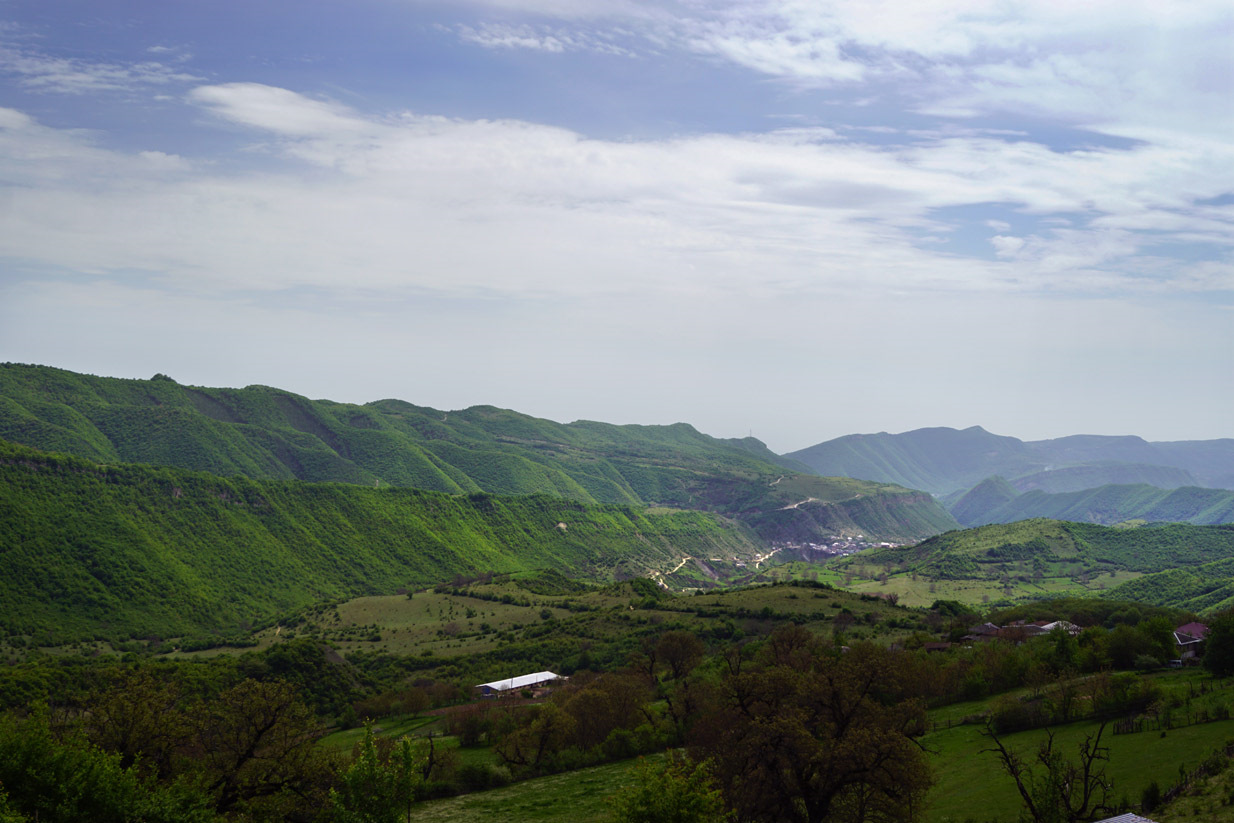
(1056, 789)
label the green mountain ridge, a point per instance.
(116, 551)
(267, 433)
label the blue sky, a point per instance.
(797, 219)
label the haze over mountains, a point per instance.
(988, 478)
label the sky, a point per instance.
(795, 219)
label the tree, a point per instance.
(549, 731)
(1219, 645)
(377, 789)
(680, 651)
(681, 791)
(258, 754)
(1056, 789)
(805, 733)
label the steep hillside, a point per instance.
(126, 550)
(1107, 505)
(267, 433)
(943, 461)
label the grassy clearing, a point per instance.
(971, 785)
(394, 727)
(499, 619)
(559, 798)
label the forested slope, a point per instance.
(125, 550)
(268, 433)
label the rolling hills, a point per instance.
(267, 433)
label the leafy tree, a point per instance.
(258, 752)
(57, 778)
(377, 789)
(804, 733)
(680, 651)
(681, 791)
(1219, 645)
(532, 745)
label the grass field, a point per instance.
(970, 782)
(560, 798)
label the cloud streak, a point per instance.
(510, 207)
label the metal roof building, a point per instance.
(526, 681)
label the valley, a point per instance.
(358, 570)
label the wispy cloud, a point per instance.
(478, 206)
(44, 73)
(540, 38)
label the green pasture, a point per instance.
(560, 798)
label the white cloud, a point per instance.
(448, 206)
(1103, 64)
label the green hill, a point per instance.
(1107, 505)
(122, 551)
(1208, 587)
(1145, 549)
(267, 433)
(1034, 559)
(943, 460)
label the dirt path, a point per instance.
(798, 503)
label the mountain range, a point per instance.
(267, 433)
(987, 478)
(944, 460)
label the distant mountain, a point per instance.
(267, 433)
(943, 461)
(994, 501)
(937, 460)
(974, 507)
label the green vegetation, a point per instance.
(266, 433)
(115, 552)
(1039, 558)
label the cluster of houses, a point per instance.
(1188, 638)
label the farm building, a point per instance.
(537, 682)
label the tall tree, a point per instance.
(804, 733)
